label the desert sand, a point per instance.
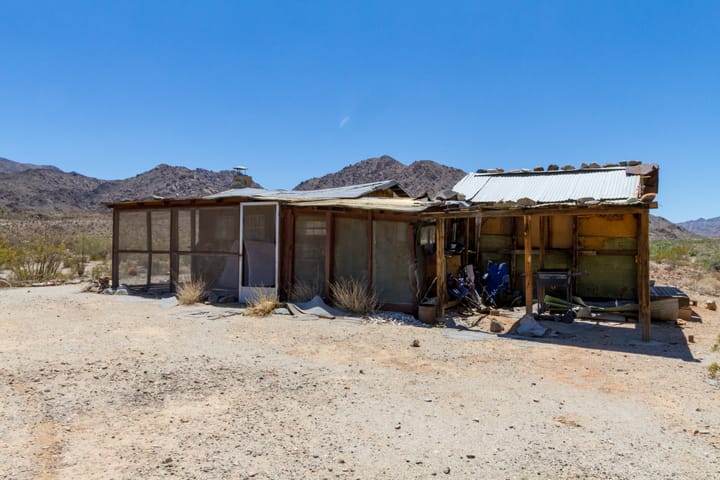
(110, 387)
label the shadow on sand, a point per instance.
(667, 338)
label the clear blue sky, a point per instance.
(299, 89)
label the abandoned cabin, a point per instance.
(584, 229)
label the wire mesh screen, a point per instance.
(309, 265)
(392, 268)
(350, 257)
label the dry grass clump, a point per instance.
(192, 291)
(708, 284)
(262, 304)
(352, 295)
(302, 291)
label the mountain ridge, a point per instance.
(419, 178)
(36, 189)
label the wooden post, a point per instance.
(174, 259)
(528, 266)
(148, 223)
(543, 242)
(440, 265)
(370, 252)
(643, 272)
(329, 231)
(466, 242)
(115, 263)
(575, 253)
(287, 249)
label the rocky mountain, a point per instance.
(8, 166)
(663, 229)
(707, 227)
(28, 188)
(423, 176)
(53, 191)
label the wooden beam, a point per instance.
(643, 273)
(537, 211)
(440, 268)
(528, 266)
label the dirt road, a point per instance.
(95, 386)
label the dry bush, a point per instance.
(192, 291)
(262, 304)
(708, 284)
(713, 370)
(304, 291)
(352, 295)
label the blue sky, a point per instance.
(298, 89)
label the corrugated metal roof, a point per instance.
(351, 191)
(603, 185)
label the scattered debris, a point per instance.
(527, 326)
(415, 343)
(710, 305)
(316, 307)
(394, 318)
(496, 327)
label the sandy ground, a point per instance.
(95, 386)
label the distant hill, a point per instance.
(707, 227)
(52, 191)
(663, 229)
(8, 166)
(423, 176)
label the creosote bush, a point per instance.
(352, 295)
(262, 304)
(37, 261)
(192, 291)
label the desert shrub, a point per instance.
(192, 291)
(100, 270)
(37, 261)
(262, 304)
(6, 252)
(704, 254)
(713, 370)
(304, 291)
(352, 295)
(708, 284)
(89, 247)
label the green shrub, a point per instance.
(37, 261)
(704, 254)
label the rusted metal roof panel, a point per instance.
(603, 185)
